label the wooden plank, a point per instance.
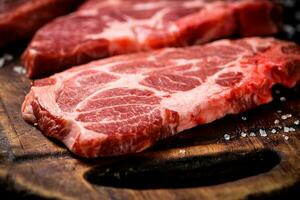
(31, 164)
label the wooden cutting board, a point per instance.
(196, 164)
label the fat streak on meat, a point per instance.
(125, 104)
(102, 28)
(19, 19)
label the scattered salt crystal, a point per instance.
(182, 151)
(19, 69)
(286, 129)
(276, 121)
(286, 137)
(262, 133)
(297, 122)
(286, 116)
(279, 111)
(35, 124)
(252, 134)
(277, 91)
(244, 118)
(243, 134)
(292, 129)
(280, 127)
(282, 99)
(273, 130)
(226, 136)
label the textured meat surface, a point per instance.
(125, 104)
(19, 19)
(102, 28)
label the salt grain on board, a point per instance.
(279, 111)
(243, 134)
(273, 130)
(286, 129)
(292, 129)
(226, 136)
(252, 134)
(286, 116)
(286, 137)
(276, 121)
(282, 99)
(244, 118)
(297, 122)
(19, 69)
(262, 133)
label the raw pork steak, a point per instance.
(125, 104)
(101, 28)
(19, 19)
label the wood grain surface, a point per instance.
(196, 164)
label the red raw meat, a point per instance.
(102, 28)
(125, 104)
(20, 19)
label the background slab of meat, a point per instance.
(103, 28)
(20, 19)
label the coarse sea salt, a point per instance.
(19, 69)
(276, 121)
(252, 134)
(244, 118)
(286, 137)
(289, 115)
(262, 133)
(286, 129)
(226, 136)
(273, 130)
(243, 134)
(297, 122)
(282, 99)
